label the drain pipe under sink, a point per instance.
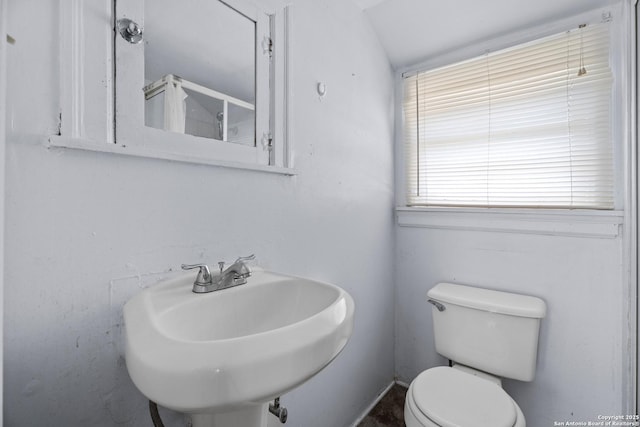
(279, 411)
(155, 416)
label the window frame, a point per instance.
(82, 30)
(534, 220)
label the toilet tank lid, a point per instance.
(489, 300)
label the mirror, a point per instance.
(200, 70)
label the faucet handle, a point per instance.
(246, 258)
(204, 275)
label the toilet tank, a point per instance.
(493, 331)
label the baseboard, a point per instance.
(374, 403)
(402, 383)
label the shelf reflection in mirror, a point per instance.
(200, 70)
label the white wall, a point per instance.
(3, 105)
(87, 230)
(582, 349)
(586, 350)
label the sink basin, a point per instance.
(235, 348)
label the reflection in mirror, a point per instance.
(200, 70)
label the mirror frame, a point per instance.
(129, 100)
(82, 80)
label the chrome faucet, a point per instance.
(236, 274)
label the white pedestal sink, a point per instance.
(223, 355)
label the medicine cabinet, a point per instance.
(204, 81)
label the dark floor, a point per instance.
(389, 412)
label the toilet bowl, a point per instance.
(451, 397)
(487, 335)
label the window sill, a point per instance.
(88, 145)
(572, 223)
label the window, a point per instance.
(527, 126)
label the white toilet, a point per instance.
(487, 335)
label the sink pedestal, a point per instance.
(250, 416)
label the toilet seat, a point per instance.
(452, 398)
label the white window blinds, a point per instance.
(521, 127)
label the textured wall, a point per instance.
(86, 230)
